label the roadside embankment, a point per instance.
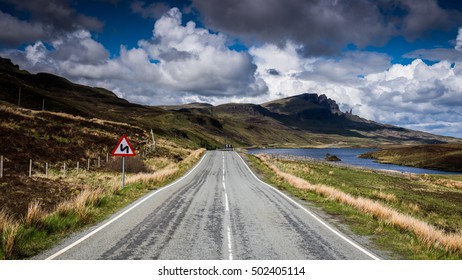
(99, 195)
(414, 217)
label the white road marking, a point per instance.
(314, 216)
(230, 244)
(227, 215)
(226, 203)
(62, 251)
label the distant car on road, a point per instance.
(228, 147)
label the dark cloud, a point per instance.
(422, 16)
(325, 27)
(14, 31)
(153, 10)
(174, 55)
(47, 19)
(273, 72)
(437, 54)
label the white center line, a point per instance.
(227, 215)
(226, 203)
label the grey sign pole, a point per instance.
(123, 172)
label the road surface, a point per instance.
(219, 210)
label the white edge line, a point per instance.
(314, 216)
(230, 245)
(123, 213)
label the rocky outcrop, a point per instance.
(323, 101)
(7, 65)
(300, 104)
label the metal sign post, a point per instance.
(123, 172)
(123, 149)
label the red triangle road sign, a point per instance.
(123, 148)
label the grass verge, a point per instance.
(40, 229)
(407, 216)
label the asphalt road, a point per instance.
(219, 210)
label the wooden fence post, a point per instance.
(1, 166)
(30, 168)
(88, 164)
(46, 169)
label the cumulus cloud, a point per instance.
(176, 64)
(415, 95)
(337, 77)
(63, 56)
(459, 40)
(325, 27)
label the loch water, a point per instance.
(348, 156)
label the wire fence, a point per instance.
(32, 167)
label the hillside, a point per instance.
(304, 120)
(446, 157)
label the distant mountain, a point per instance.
(308, 119)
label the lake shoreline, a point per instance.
(441, 157)
(349, 157)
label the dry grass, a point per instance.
(95, 187)
(449, 183)
(159, 176)
(9, 229)
(385, 196)
(195, 155)
(5, 220)
(80, 203)
(428, 234)
(167, 172)
(9, 237)
(414, 208)
(35, 214)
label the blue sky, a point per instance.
(392, 61)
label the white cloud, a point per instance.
(177, 62)
(367, 82)
(459, 40)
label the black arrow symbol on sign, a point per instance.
(122, 148)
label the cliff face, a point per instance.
(305, 106)
(323, 101)
(8, 66)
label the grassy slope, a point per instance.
(67, 203)
(58, 138)
(433, 199)
(446, 157)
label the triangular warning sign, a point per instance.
(123, 148)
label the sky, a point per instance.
(397, 62)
